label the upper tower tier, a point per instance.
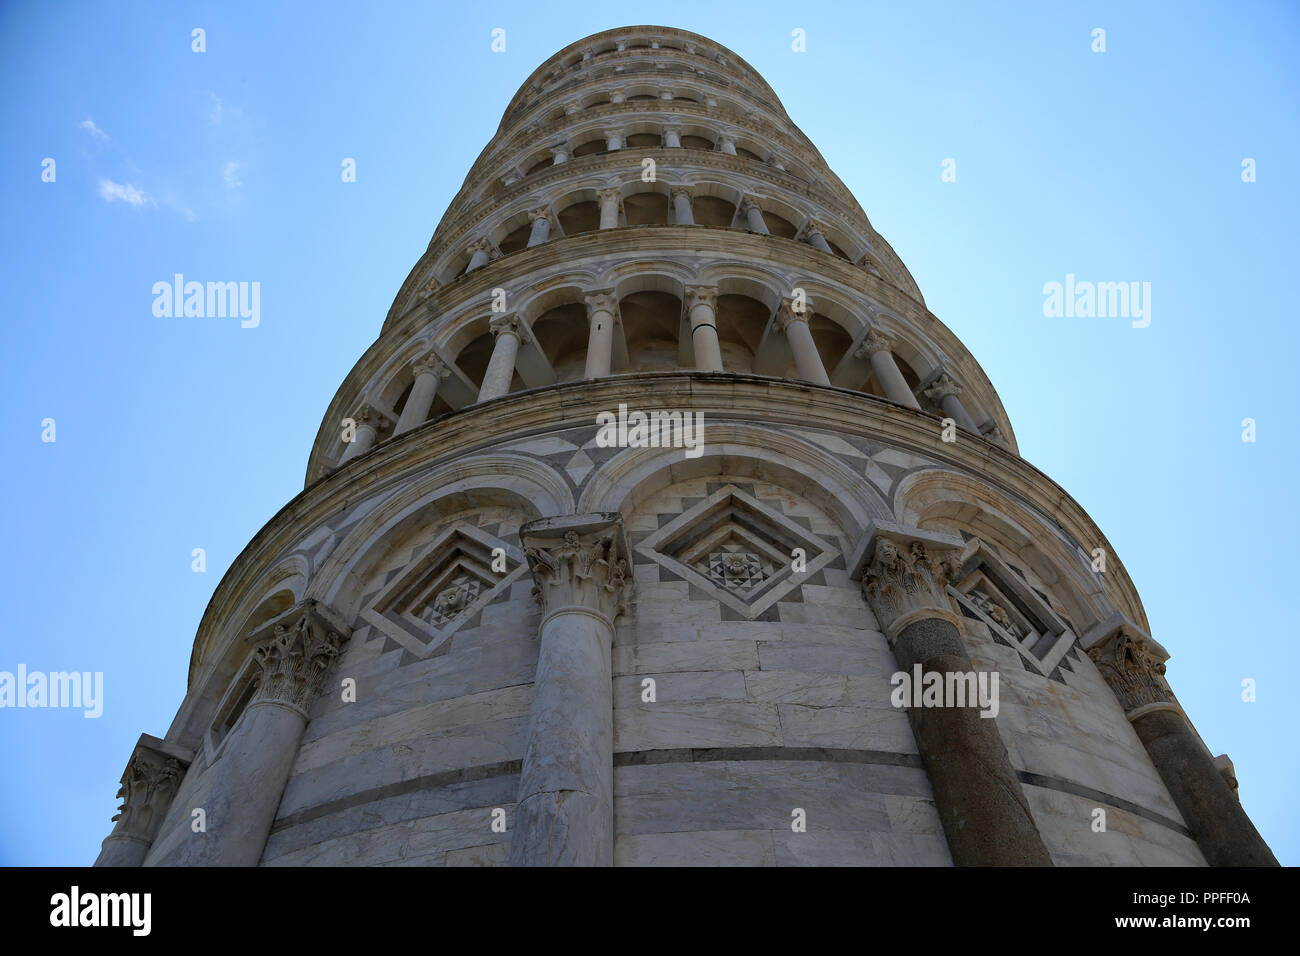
(651, 176)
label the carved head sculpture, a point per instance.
(449, 600)
(886, 552)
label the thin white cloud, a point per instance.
(230, 175)
(95, 131)
(110, 191)
(214, 117)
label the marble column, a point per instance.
(1134, 667)
(984, 811)
(508, 330)
(479, 253)
(727, 144)
(582, 579)
(701, 303)
(878, 349)
(754, 217)
(602, 306)
(812, 234)
(369, 423)
(428, 372)
(559, 154)
(618, 96)
(673, 137)
(541, 230)
(611, 201)
(806, 357)
(254, 764)
(613, 139)
(944, 392)
(682, 211)
(152, 777)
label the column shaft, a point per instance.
(806, 357)
(704, 330)
(600, 338)
(418, 403)
(501, 367)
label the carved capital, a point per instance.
(811, 228)
(367, 415)
(1134, 667)
(479, 245)
(430, 365)
(680, 191)
(788, 313)
(292, 664)
(941, 388)
(701, 295)
(750, 204)
(541, 212)
(874, 342)
(507, 325)
(149, 783)
(579, 562)
(906, 578)
(601, 300)
(605, 195)
(429, 287)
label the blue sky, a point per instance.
(178, 434)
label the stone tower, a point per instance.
(613, 543)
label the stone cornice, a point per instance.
(724, 395)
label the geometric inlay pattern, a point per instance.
(445, 587)
(739, 550)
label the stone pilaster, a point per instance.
(1133, 665)
(253, 765)
(984, 812)
(152, 776)
(583, 580)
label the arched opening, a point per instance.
(590, 147)
(690, 141)
(650, 322)
(540, 165)
(474, 357)
(779, 225)
(646, 209)
(516, 240)
(713, 211)
(562, 334)
(741, 321)
(580, 217)
(643, 141)
(746, 154)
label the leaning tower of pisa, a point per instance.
(614, 541)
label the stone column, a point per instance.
(253, 766)
(682, 211)
(565, 810)
(602, 306)
(727, 144)
(1134, 667)
(541, 231)
(878, 349)
(611, 201)
(943, 391)
(501, 366)
(572, 108)
(754, 216)
(985, 814)
(559, 154)
(673, 137)
(369, 423)
(812, 234)
(618, 96)
(149, 783)
(613, 139)
(479, 253)
(806, 357)
(428, 372)
(701, 301)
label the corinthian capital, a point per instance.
(152, 776)
(601, 300)
(292, 665)
(941, 388)
(1134, 667)
(579, 561)
(701, 295)
(430, 364)
(906, 574)
(873, 343)
(792, 310)
(507, 325)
